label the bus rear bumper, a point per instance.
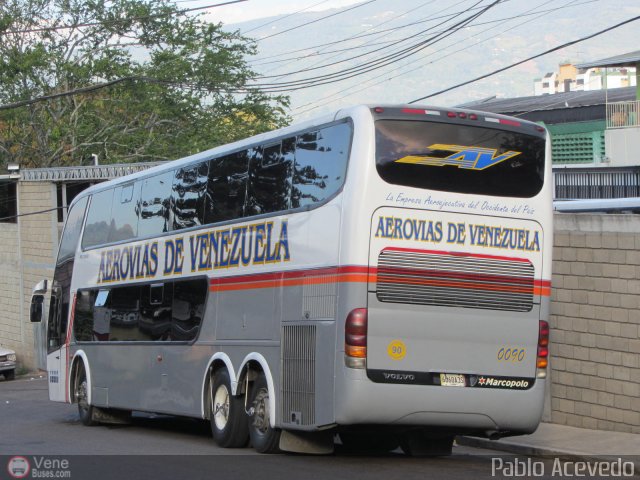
(359, 401)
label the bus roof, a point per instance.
(282, 132)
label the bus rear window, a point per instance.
(459, 158)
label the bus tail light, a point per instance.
(355, 338)
(542, 359)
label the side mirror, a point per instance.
(40, 288)
(37, 310)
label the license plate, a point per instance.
(452, 380)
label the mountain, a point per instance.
(508, 32)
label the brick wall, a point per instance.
(11, 334)
(595, 321)
(27, 255)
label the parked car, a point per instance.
(7, 363)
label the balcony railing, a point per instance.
(623, 114)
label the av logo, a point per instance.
(469, 158)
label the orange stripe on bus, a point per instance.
(353, 275)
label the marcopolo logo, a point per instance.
(493, 382)
(18, 467)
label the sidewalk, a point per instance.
(559, 440)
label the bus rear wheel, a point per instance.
(228, 418)
(85, 411)
(264, 438)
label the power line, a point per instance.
(404, 71)
(546, 52)
(374, 27)
(4, 219)
(284, 17)
(370, 66)
(206, 88)
(342, 40)
(319, 65)
(109, 22)
(316, 20)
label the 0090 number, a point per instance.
(508, 354)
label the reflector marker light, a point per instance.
(420, 111)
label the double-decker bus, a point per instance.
(381, 274)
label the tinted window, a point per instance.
(270, 171)
(227, 186)
(188, 308)
(168, 311)
(188, 195)
(96, 231)
(155, 205)
(124, 309)
(72, 231)
(456, 158)
(155, 310)
(321, 163)
(124, 225)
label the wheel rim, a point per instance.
(261, 411)
(221, 407)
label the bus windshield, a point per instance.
(460, 158)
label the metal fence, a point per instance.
(574, 183)
(623, 114)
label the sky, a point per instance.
(253, 9)
(462, 57)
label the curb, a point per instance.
(537, 451)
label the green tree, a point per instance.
(149, 81)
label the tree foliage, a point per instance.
(170, 83)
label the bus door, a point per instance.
(61, 305)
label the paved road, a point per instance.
(169, 447)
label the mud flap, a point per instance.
(315, 443)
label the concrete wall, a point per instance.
(623, 146)
(22, 267)
(595, 322)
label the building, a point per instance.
(595, 133)
(32, 211)
(580, 78)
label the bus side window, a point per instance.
(188, 195)
(321, 163)
(124, 221)
(270, 172)
(155, 205)
(155, 311)
(96, 231)
(227, 187)
(189, 297)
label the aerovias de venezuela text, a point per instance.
(254, 244)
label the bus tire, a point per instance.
(85, 411)
(264, 438)
(229, 422)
